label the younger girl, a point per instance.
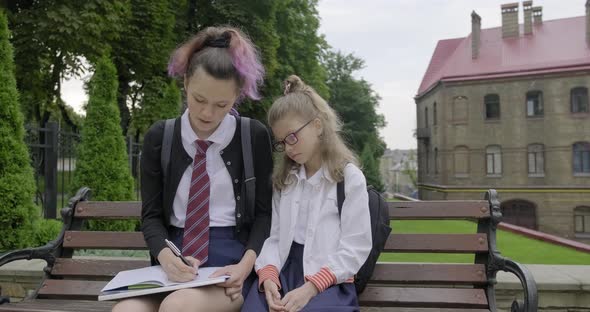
(316, 250)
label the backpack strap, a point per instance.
(249, 178)
(340, 196)
(167, 146)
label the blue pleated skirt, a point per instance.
(337, 298)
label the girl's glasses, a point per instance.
(291, 139)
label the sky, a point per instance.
(396, 39)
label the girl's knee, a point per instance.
(143, 304)
(182, 300)
(204, 299)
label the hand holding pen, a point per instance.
(177, 267)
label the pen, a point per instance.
(176, 252)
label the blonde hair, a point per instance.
(302, 100)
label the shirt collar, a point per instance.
(221, 135)
(321, 174)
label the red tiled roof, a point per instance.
(555, 46)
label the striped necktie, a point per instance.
(195, 242)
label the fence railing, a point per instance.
(53, 157)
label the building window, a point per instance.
(494, 160)
(461, 161)
(460, 109)
(436, 160)
(579, 100)
(534, 103)
(426, 117)
(492, 106)
(536, 159)
(581, 157)
(434, 113)
(582, 220)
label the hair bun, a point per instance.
(220, 41)
(293, 84)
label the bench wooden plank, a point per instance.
(108, 210)
(71, 289)
(437, 243)
(54, 305)
(433, 274)
(104, 240)
(439, 210)
(423, 297)
(95, 268)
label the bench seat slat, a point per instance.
(437, 243)
(95, 268)
(433, 274)
(407, 210)
(108, 210)
(71, 289)
(104, 240)
(54, 305)
(424, 297)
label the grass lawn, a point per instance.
(515, 247)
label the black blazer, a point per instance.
(252, 223)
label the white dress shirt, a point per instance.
(222, 205)
(339, 243)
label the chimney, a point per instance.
(538, 15)
(527, 7)
(475, 34)
(510, 20)
(588, 22)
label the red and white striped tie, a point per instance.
(195, 242)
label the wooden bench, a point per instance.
(73, 284)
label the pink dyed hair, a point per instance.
(244, 58)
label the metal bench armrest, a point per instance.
(497, 262)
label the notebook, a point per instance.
(151, 280)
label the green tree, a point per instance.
(102, 163)
(371, 168)
(161, 100)
(18, 215)
(142, 50)
(16, 175)
(50, 39)
(301, 47)
(356, 103)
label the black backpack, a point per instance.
(246, 136)
(380, 231)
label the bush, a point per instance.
(17, 187)
(45, 231)
(102, 163)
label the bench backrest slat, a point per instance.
(434, 274)
(104, 240)
(448, 210)
(108, 210)
(437, 243)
